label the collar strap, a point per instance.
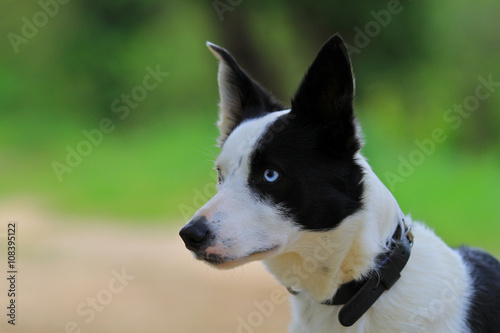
(359, 296)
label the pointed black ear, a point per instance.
(241, 97)
(325, 97)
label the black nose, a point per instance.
(195, 233)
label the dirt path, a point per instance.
(93, 276)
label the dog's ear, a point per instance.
(241, 97)
(325, 98)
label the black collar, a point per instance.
(359, 296)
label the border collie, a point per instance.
(295, 192)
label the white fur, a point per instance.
(431, 295)
(241, 224)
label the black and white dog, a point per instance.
(295, 191)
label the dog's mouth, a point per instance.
(224, 262)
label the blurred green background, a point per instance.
(64, 67)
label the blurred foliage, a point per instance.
(422, 61)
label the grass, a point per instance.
(453, 192)
(146, 174)
(164, 173)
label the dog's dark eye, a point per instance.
(271, 175)
(219, 176)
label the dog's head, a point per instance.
(281, 171)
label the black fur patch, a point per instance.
(484, 313)
(316, 188)
(325, 97)
(249, 99)
(313, 147)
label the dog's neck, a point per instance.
(317, 263)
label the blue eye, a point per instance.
(271, 175)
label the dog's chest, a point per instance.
(313, 317)
(310, 316)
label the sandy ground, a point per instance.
(96, 276)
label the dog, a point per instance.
(295, 191)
